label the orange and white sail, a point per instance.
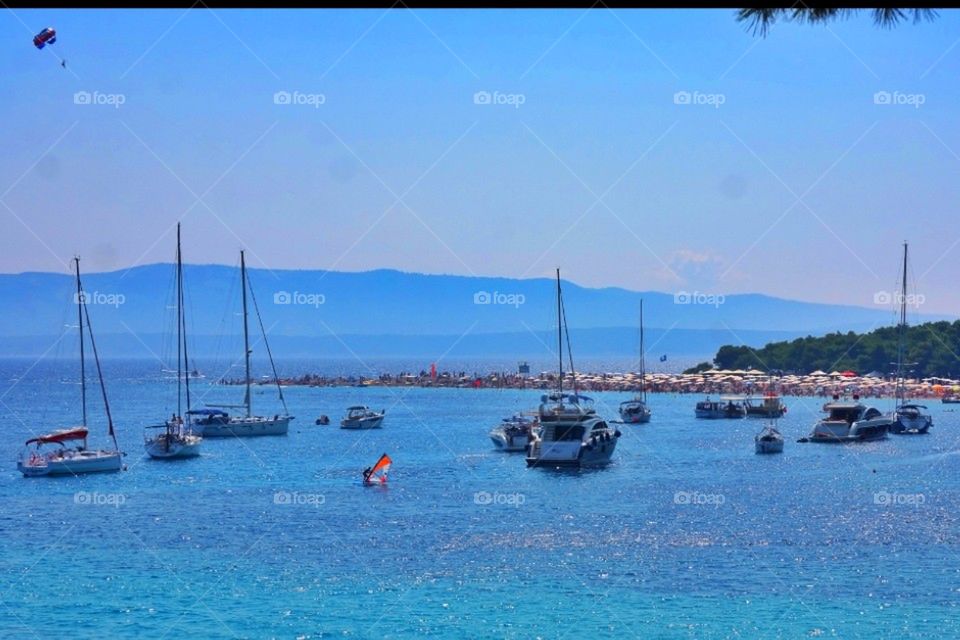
(378, 473)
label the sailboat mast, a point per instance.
(246, 333)
(182, 326)
(83, 373)
(643, 366)
(559, 337)
(179, 336)
(902, 328)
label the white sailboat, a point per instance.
(65, 452)
(636, 411)
(176, 438)
(216, 423)
(907, 418)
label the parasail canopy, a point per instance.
(45, 37)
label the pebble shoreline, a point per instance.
(713, 383)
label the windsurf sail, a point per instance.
(378, 472)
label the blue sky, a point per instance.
(798, 185)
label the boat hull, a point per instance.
(504, 442)
(863, 431)
(571, 454)
(635, 417)
(179, 448)
(245, 428)
(769, 446)
(709, 414)
(76, 463)
(910, 425)
(362, 423)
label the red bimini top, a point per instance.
(79, 433)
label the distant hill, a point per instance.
(393, 310)
(932, 346)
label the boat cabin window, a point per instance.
(568, 432)
(845, 414)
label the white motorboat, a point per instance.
(636, 411)
(174, 438)
(571, 434)
(850, 422)
(513, 434)
(907, 418)
(65, 452)
(727, 407)
(770, 440)
(217, 423)
(361, 417)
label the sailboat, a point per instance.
(217, 423)
(377, 474)
(571, 433)
(174, 438)
(636, 411)
(65, 452)
(908, 418)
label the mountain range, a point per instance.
(387, 312)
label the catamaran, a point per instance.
(175, 438)
(636, 411)
(908, 418)
(571, 433)
(65, 452)
(217, 423)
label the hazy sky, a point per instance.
(783, 175)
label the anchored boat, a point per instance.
(907, 418)
(571, 434)
(727, 407)
(636, 411)
(65, 452)
(514, 433)
(362, 417)
(850, 422)
(215, 422)
(175, 438)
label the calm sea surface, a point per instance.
(688, 534)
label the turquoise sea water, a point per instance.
(688, 534)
